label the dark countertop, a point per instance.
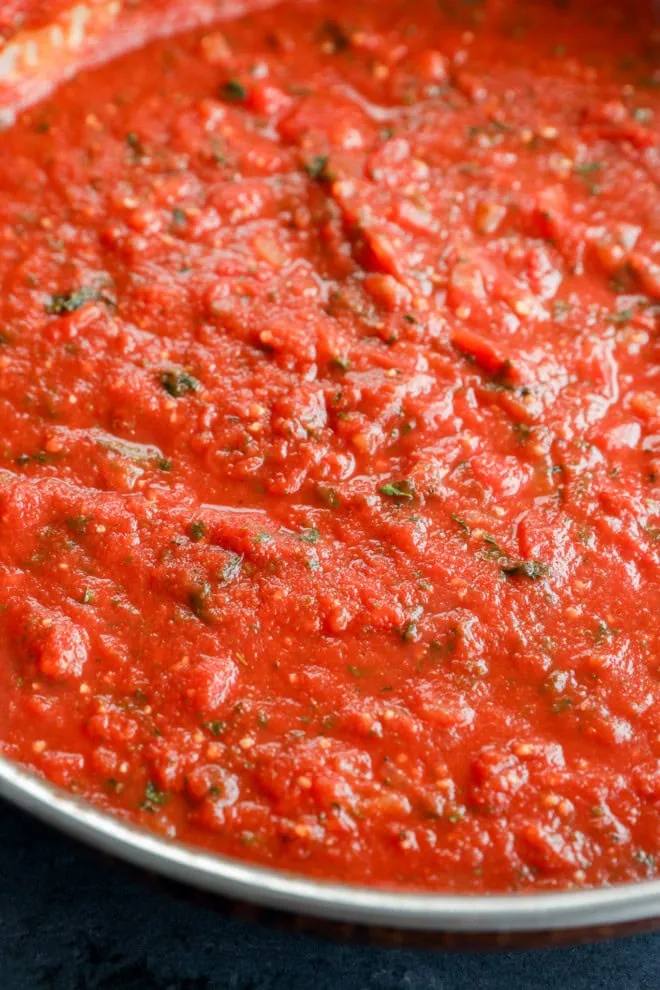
(71, 920)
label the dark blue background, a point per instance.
(71, 920)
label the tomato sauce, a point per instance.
(330, 441)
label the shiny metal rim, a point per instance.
(339, 902)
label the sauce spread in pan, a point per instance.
(330, 441)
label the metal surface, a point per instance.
(286, 892)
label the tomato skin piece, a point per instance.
(487, 355)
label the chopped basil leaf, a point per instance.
(587, 168)
(153, 798)
(198, 600)
(78, 523)
(263, 537)
(178, 383)
(68, 302)
(232, 568)
(215, 728)
(398, 489)
(532, 569)
(309, 535)
(461, 522)
(328, 495)
(197, 531)
(492, 542)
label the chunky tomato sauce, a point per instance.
(330, 441)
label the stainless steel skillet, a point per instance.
(508, 918)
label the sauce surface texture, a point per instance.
(330, 441)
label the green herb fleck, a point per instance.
(68, 302)
(153, 798)
(197, 531)
(311, 536)
(532, 569)
(41, 457)
(178, 383)
(78, 523)
(232, 568)
(587, 168)
(215, 728)
(621, 316)
(461, 522)
(398, 489)
(492, 543)
(317, 168)
(179, 218)
(198, 601)
(263, 537)
(233, 90)
(328, 495)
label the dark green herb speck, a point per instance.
(197, 531)
(153, 798)
(178, 383)
(317, 168)
(233, 90)
(68, 302)
(215, 728)
(198, 600)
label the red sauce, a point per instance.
(330, 418)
